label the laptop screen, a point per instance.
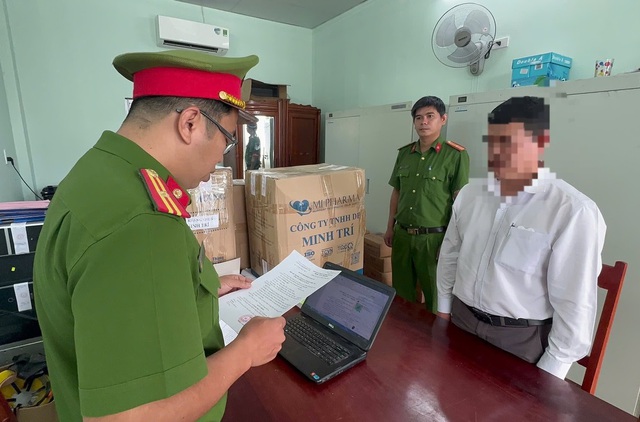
(351, 305)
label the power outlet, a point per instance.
(502, 42)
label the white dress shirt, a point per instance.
(536, 255)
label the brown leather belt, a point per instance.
(500, 321)
(423, 230)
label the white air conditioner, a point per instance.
(180, 33)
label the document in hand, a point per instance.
(274, 293)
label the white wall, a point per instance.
(9, 183)
(380, 52)
(62, 91)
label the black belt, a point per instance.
(423, 230)
(500, 321)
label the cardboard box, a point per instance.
(240, 223)
(540, 69)
(374, 245)
(242, 248)
(317, 210)
(377, 275)
(211, 220)
(44, 413)
(253, 89)
(239, 205)
(382, 265)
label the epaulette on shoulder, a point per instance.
(455, 146)
(161, 196)
(404, 146)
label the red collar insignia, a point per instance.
(168, 197)
(180, 194)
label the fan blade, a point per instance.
(464, 54)
(446, 32)
(478, 22)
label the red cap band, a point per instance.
(183, 82)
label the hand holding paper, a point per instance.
(231, 282)
(275, 292)
(262, 339)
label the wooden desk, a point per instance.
(421, 368)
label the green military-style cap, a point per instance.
(183, 73)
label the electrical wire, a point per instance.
(24, 181)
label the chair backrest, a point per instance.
(610, 279)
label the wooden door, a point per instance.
(302, 135)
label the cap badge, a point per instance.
(226, 97)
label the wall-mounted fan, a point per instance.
(464, 36)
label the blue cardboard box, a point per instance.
(540, 69)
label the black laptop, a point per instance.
(337, 325)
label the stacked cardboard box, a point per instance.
(377, 258)
(317, 210)
(240, 223)
(377, 261)
(211, 220)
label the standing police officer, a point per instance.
(425, 179)
(252, 151)
(126, 299)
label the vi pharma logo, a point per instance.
(301, 207)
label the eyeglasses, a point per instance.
(231, 139)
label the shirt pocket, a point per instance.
(436, 181)
(403, 171)
(403, 175)
(525, 250)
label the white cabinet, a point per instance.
(369, 138)
(342, 138)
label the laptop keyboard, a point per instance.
(315, 341)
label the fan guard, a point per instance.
(463, 36)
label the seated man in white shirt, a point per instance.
(519, 263)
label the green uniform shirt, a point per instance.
(127, 311)
(427, 182)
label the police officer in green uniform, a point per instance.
(426, 176)
(126, 299)
(252, 150)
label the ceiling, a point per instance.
(304, 13)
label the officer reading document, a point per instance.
(126, 299)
